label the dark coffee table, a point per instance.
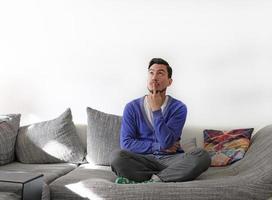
(31, 183)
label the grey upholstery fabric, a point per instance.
(102, 136)
(45, 192)
(9, 125)
(247, 179)
(9, 196)
(10, 189)
(81, 130)
(80, 183)
(52, 141)
(50, 171)
(188, 144)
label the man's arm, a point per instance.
(128, 135)
(169, 133)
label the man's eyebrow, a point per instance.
(159, 70)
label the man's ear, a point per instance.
(170, 81)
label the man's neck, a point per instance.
(163, 95)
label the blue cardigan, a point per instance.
(138, 135)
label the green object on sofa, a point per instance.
(123, 180)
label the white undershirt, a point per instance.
(148, 110)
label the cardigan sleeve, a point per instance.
(128, 136)
(168, 133)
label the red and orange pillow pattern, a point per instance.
(226, 147)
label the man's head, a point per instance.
(159, 75)
(160, 61)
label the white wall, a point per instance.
(56, 54)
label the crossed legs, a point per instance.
(169, 168)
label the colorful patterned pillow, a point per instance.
(226, 147)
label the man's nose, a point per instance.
(154, 77)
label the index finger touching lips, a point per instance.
(154, 88)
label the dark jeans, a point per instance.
(169, 168)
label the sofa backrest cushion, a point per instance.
(81, 130)
(188, 144)
(9, 125)
(102, 136)
(52, 141)
(258, 158)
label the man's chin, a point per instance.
(158, 91)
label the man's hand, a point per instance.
(174, 148)
(155, 99)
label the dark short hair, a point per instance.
(161, 61)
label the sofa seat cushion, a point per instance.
(249, 178)
(97, 182)
(8, 189)
(218, 172)
(9, 196)
(12, 191)
(50, 171)
(72, 185)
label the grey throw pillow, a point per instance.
(52, 141)
(102, 136)
(9, 125)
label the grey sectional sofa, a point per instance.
(249, 178)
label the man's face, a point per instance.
(158, 77)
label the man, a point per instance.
(150, 136)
